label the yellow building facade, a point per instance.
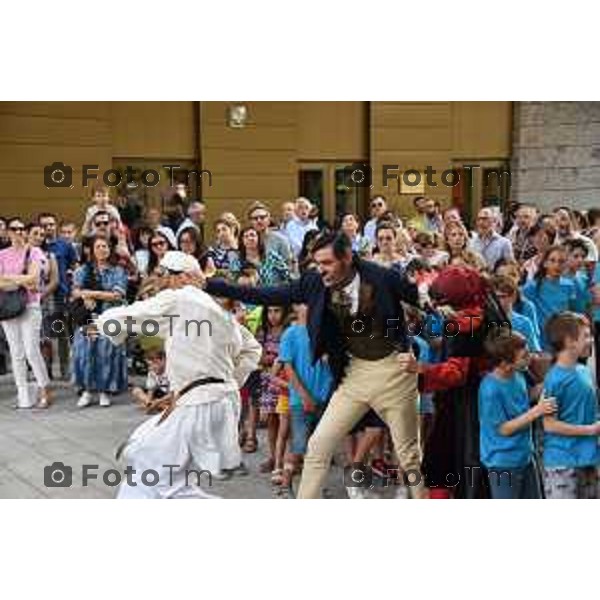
(275, 152)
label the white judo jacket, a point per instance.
(201, 340)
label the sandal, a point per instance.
(267, 466)
(277, 476)
(250, 445)
(45, 401)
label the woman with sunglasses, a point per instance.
(23, 332)
(160, 244)
(271, 267)
(190, 242)
(387, 253)
(99, 366)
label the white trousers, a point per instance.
(23, 336)
(175, 458)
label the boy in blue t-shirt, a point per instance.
(571, 454)
(310, 387)
(505, 417)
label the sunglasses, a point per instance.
(259, 217)
(377, 205)
(102, 223)
(17, 229)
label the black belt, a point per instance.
(197, 383)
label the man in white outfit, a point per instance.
(208, 357)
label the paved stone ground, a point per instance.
(33, 439)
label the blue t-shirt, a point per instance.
(527, 308)
(501, 400)
(576, 398)
(583, 296)
(66, 257)
(551, 296)
(596, 310)
(523, 325)
(294, 350)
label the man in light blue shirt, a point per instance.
(297, 227)
(489, 243)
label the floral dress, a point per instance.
(269, 389)
(272, 270)
(98, 364)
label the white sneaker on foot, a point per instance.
(355, 493)
(85, 400)
(105, 400)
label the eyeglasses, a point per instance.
(159, 244)
(17, 229)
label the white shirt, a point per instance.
(201, 340)
(295, 230)
(369, 231)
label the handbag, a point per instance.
(14, 302)
(79, 314)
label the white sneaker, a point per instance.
(85, 400)
(355, 493)
(105, 400)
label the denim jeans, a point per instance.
(514, 484)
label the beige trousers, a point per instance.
(393, 394)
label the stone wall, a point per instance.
(556, 154)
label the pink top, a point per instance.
(12, 261)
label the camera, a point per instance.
(57, 325)
(358, 326)
(58, 175)
(58, 475)
(358, 175)
(358, 475)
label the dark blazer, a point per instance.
(326, 335)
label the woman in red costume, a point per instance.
(451, 457)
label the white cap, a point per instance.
(179, 262)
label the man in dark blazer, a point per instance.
(356, 320)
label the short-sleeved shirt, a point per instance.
(550, 296)
(12, 261)
(294, 350)
(66, 257)
(583, 296)
(577, 405)
(524, 326)
(596, 310)
(527, 308)
(502, 400)
(493, 248)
